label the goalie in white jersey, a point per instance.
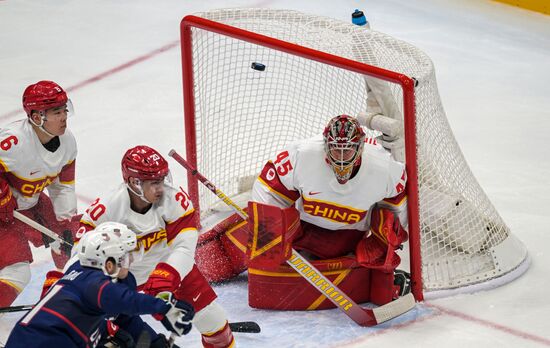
(36, 153)
(350, 196)
(165, 222)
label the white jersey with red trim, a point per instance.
(168, 230)
(300, 175)
(29, 168)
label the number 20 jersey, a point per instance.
(168, 230)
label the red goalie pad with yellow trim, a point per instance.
(272, 231)
(221, 251)
(284, 289)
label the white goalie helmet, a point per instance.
(109, 240)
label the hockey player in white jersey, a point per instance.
(165, 222)
(36, 153)
(350, 196)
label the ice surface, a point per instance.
(121, 64)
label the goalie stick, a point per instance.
(360, 315)
(238, 326)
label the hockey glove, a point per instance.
(7, 204)
(163, 278)
(116, 337)
(162, 342)
(179, 315)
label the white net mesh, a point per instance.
(244, 116)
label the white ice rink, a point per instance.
(120, 62)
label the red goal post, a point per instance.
(215, 47)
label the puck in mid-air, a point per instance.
(257, 66)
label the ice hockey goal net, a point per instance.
(308, 69)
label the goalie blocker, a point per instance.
(264, 243)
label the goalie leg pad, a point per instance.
(284, 289)
(381, 287)
(272, 231)
(221, 251)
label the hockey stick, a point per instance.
(239, 326)
(11, 309)
(40, 228)
(362, 316)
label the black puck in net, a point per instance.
(257, 66)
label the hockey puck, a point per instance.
(257, 66)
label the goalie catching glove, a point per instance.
(179, 315)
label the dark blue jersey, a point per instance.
(72, 311)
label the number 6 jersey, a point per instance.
(29, 168)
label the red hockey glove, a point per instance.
(7, 204)
(51, 278)
(163, 278)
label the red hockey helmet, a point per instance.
(144, 163)
(43, 95)
(344, 139)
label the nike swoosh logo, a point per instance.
(32, 173)
(312, 193)
(197, 297)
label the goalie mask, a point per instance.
(344, 139)
(109, 240)
(144, 163)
